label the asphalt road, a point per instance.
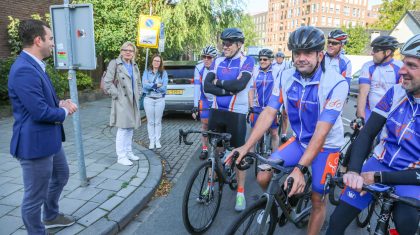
(164, 216)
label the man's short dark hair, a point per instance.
(30, 29)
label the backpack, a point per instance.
(114, 81)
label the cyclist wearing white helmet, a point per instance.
(378, 75)
(334, 58)
(261, 90)
(202, 100)
(229, 79)
(395, 160)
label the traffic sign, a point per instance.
(148, 31)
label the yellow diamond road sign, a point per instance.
(148, 30)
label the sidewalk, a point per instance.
(115, 193)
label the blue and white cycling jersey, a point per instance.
(263, 83)
(341, 64)
(230, 69)
(380, 78)
(320, 98)
(283, 66)
(200, 73)
(399, 147)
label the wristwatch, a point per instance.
(377, 177)
(302, 168)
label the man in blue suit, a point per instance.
(38, 130)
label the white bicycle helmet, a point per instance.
(209, 50)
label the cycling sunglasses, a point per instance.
(264, 59)
(377, 49)
(227, 43)
(334, 43)
(206, 57)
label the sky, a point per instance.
(255, 6)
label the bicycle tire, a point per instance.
(186, 217)
(253, 212)
(362, 222)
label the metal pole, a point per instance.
(147, 50)
(74, 97)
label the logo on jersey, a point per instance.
(334, 104)
(405, 131)
(351, 194)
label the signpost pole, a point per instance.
(74, 98)
(147, 50)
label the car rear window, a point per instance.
(180, 75)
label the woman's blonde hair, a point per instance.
(127, 44)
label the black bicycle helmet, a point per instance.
(233, 34)
(266, 52)
(412, 47)
(306, 38)
(385, 42)
(280, 54)
(338, 35)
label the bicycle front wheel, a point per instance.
(250, 220)
(201, 199)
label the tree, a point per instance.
(358, 39)
(391, 12)
(189, 25)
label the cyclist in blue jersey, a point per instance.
(313, 98)
(229, 80)
(202, 100)
(378, 75)
(396, 160)
(334, 58)
(281, 65)
(260, 92)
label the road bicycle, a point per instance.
(203, 194)
(385, 197)
(274, 207)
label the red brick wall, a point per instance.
(21, 9)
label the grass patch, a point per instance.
(111, 195)
(124, 185)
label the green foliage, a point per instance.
(189, 25)
(358, 39)
(12, 30)
(5, 65)
(392, 11)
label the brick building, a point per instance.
(260, 21)
(284, 16)
(373, 14)
(21, 9)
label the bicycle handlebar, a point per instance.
(376, 189)
(184, 134)
(278, 165)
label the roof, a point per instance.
(415, 15)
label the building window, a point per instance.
(329, 21)
(336, 22)
(323, 21)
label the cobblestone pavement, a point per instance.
(114, 193)
(172, 153)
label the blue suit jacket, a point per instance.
(38, 130)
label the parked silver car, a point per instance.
(354, 83)
(180, 92)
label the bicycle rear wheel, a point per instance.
(249, 221)
(364, 216)
(201, 201)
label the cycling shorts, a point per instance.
(254, 117)
(353, 197)
(325, 162)
(229, 122)
(204, 106)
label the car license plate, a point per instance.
(175, 92)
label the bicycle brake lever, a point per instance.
(326, 185)
(290, 181)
